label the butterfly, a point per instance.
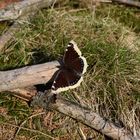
(70, 74)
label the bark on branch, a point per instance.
(128, 2)
(83, 115)
(16, 10)
(27, 76)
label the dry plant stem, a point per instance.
(128, 2)
(81, 133)
(83, 115)
(27, 76)
(25, 121)
(16, 10)
(30, 130)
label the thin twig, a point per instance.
(81, 133)
(20, 126)
(28, 129)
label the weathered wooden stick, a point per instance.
(83, 115)
(128, 2)
(25, 94)
(16, 10)
(27, 76)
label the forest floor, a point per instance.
(108, 36)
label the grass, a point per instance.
(109, 39)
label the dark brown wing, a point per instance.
(65, 80)
(72, 53)
(73, 59)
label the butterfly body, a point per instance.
(73, 66)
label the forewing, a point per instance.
(72, 53)
(73, 59)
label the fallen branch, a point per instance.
(16, 10)
(27, 76)
(83, 115)
(128, 2)
(25, 94)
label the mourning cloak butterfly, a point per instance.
(69, 76)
